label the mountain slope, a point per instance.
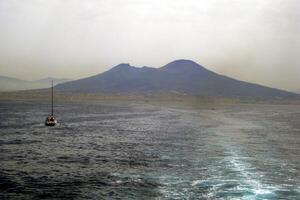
(14, 84)
(180, 77)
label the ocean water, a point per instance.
(102, 150)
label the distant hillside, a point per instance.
(298, 91)
(182, 77)
(14, 84)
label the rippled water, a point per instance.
(141, 151)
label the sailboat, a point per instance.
(50, 120)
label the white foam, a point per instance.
(251, 183)
(196, 182)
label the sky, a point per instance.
(251, 40)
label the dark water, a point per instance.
(139, 151)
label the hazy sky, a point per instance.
(252, 40)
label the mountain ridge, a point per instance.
(14, 84)
(182, 76)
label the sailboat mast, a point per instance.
(52, 99)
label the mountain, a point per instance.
(46, 82)
(297, 91)
(183, 77)
(14, 84)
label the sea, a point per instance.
(143, 150)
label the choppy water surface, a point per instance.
(140, 151)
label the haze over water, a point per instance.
(143, 151)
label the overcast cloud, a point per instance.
(252, 40)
